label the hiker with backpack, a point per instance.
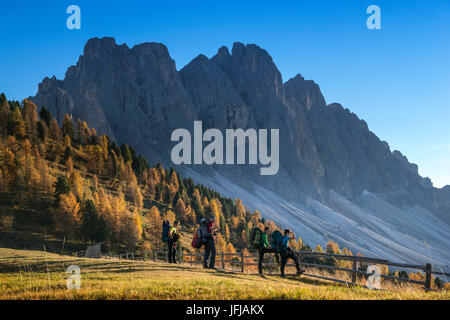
(199, 238)
(208, 238)
(265, 248)
(287, 253)
(259, 241)
(171, 236)
(197, 242)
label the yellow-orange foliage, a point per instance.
(136, 194)
(240, 210)
(170, 215)
(130, 228)
(216, 210)
(105, 210)
(221, 244)
(68, 217)
(227, 233)
(154, 175)
(229, 249)
(174, 181)
(76, 184)
(190, 214)
(153, 226)
(180, 210)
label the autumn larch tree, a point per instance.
(67, 127)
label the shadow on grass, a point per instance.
(307, 280)
(20, 264)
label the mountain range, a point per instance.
(337, 180)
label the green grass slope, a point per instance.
(39, 275)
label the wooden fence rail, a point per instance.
(238, 263)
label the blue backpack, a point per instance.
(165, 231)
(277, 241)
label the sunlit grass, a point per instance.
(40, 275)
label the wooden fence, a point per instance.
(237, 262)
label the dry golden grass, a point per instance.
(40, 275)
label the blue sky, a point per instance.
(397, 78)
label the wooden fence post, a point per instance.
(354, 272)
(428, 277)
(154, 255)
(192, 255)
(222, 260)
(242, 259)
(132, 255)
(181, 257)
(127, 256)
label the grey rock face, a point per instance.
(51, 93)
(215, 99)
(138, 97)
(134, 95)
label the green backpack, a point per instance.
(255, 238)
(277, 241)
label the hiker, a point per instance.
(264, 247)
(165, 230)
(172, 242)
(287, 253)
(201, 234)
(208, 238)
(197, 241)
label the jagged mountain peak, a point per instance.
(252, 71)
(223, 59)
(241, 49)
(249, 58)
(48, 83)
(253, 59)
(96, 42)
(98, 47)
(200, 59)
(216, 101)
(106, 48)
(151, 48)
(223, 51)
(297, 77)
(306, 92)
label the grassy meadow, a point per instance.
(39, 275)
